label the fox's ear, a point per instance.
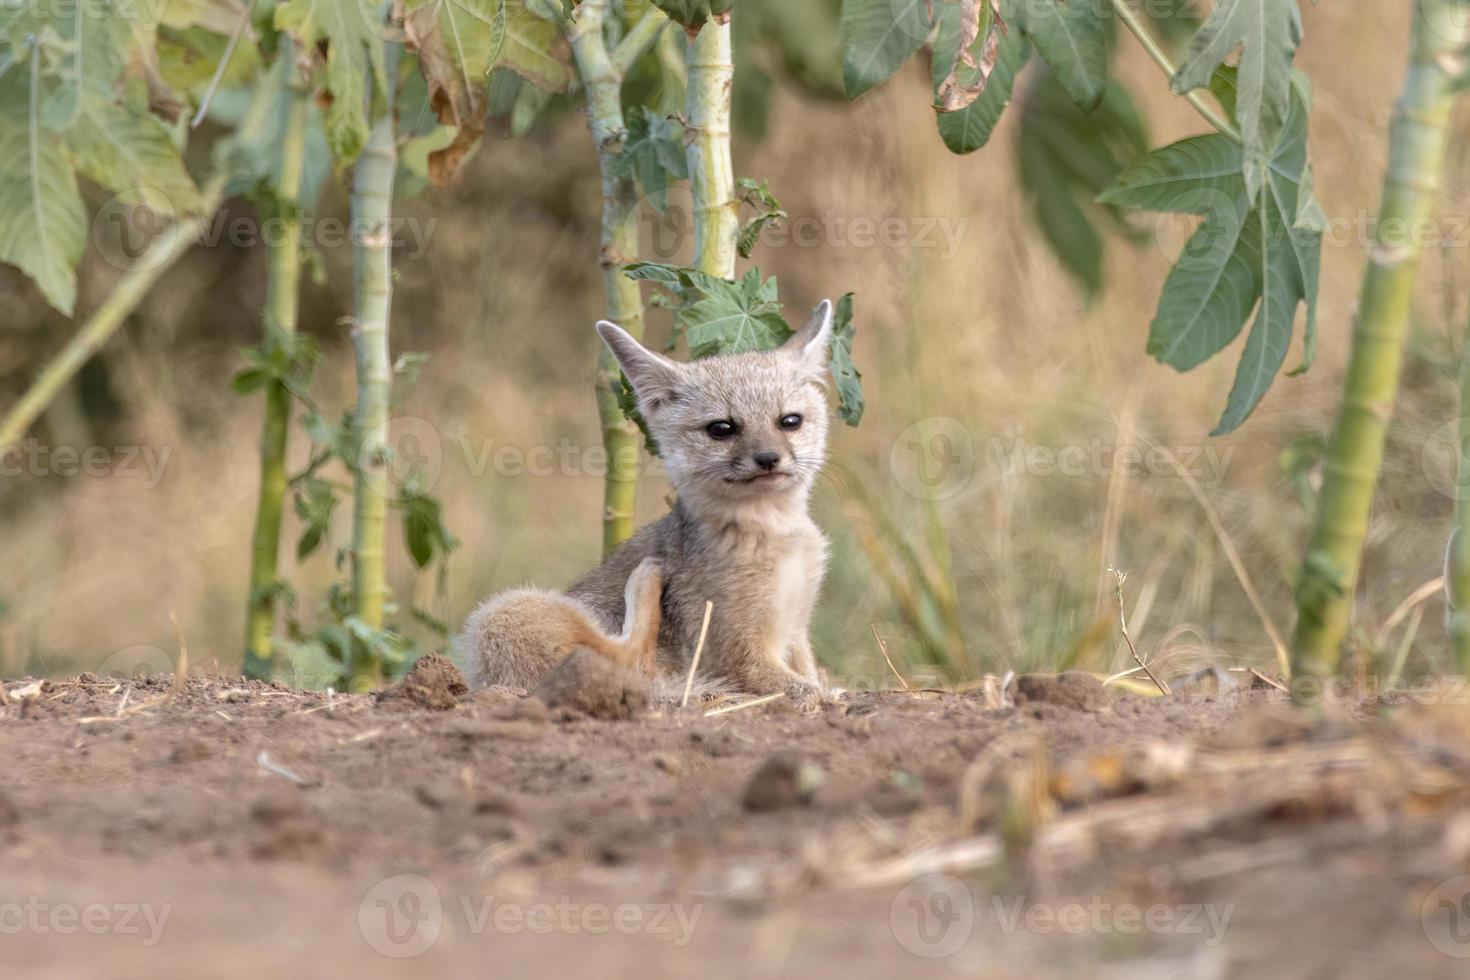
(812, 344)
(654, 377)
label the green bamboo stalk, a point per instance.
(283, 278)
(601, 74)
(372, 212)
(167, 249)
(1417, 141)
(1457, 560)
(711, 173)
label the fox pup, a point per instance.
(743, 437)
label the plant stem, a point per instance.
(638, 39)
(372, 213)
(283, 277)
(1161, 58)
(1457, 561)
(1118, 578)
(711, 174)
(603, 81)
(1417, 143)
(100, 326)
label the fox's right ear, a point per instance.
(654, 377)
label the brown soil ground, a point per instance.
(217, 828)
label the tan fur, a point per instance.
(735, 537)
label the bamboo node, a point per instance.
(1385, 254)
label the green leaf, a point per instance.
(473, 32)
(845, 374)
(132, 154)
(1067, 158)
(693, 13)
(970, 128)
(310, 540)
(1265, 348)
(354, 35)
(1214, 285)
(1223, 88)
(187, 60)
(653, 152)
(1249, 250)
(43, 226)
(1290, 274)
(878, 36)
(686, 283)
(735, 317)
(1072, 39)
(424, 531)
(768, 211)
(81, 47)
(250, 381)
(530, 48)
(418, 534)
(1267, 32)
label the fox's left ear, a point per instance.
(812, 344)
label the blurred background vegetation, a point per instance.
(1002, 468)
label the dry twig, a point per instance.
(1123, 624)
(709, 608)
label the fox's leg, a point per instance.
(756, 669)
(804, 661)
(517, 637)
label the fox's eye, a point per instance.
(792, 421)
(722, 429)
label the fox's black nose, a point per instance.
(767, 460)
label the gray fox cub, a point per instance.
(743, 437)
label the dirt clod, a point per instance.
(190, 750)
(587, 683)
(433, 682)
(786, 779)
(1072, 689)
(9, 812)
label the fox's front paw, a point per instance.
(804, 695)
